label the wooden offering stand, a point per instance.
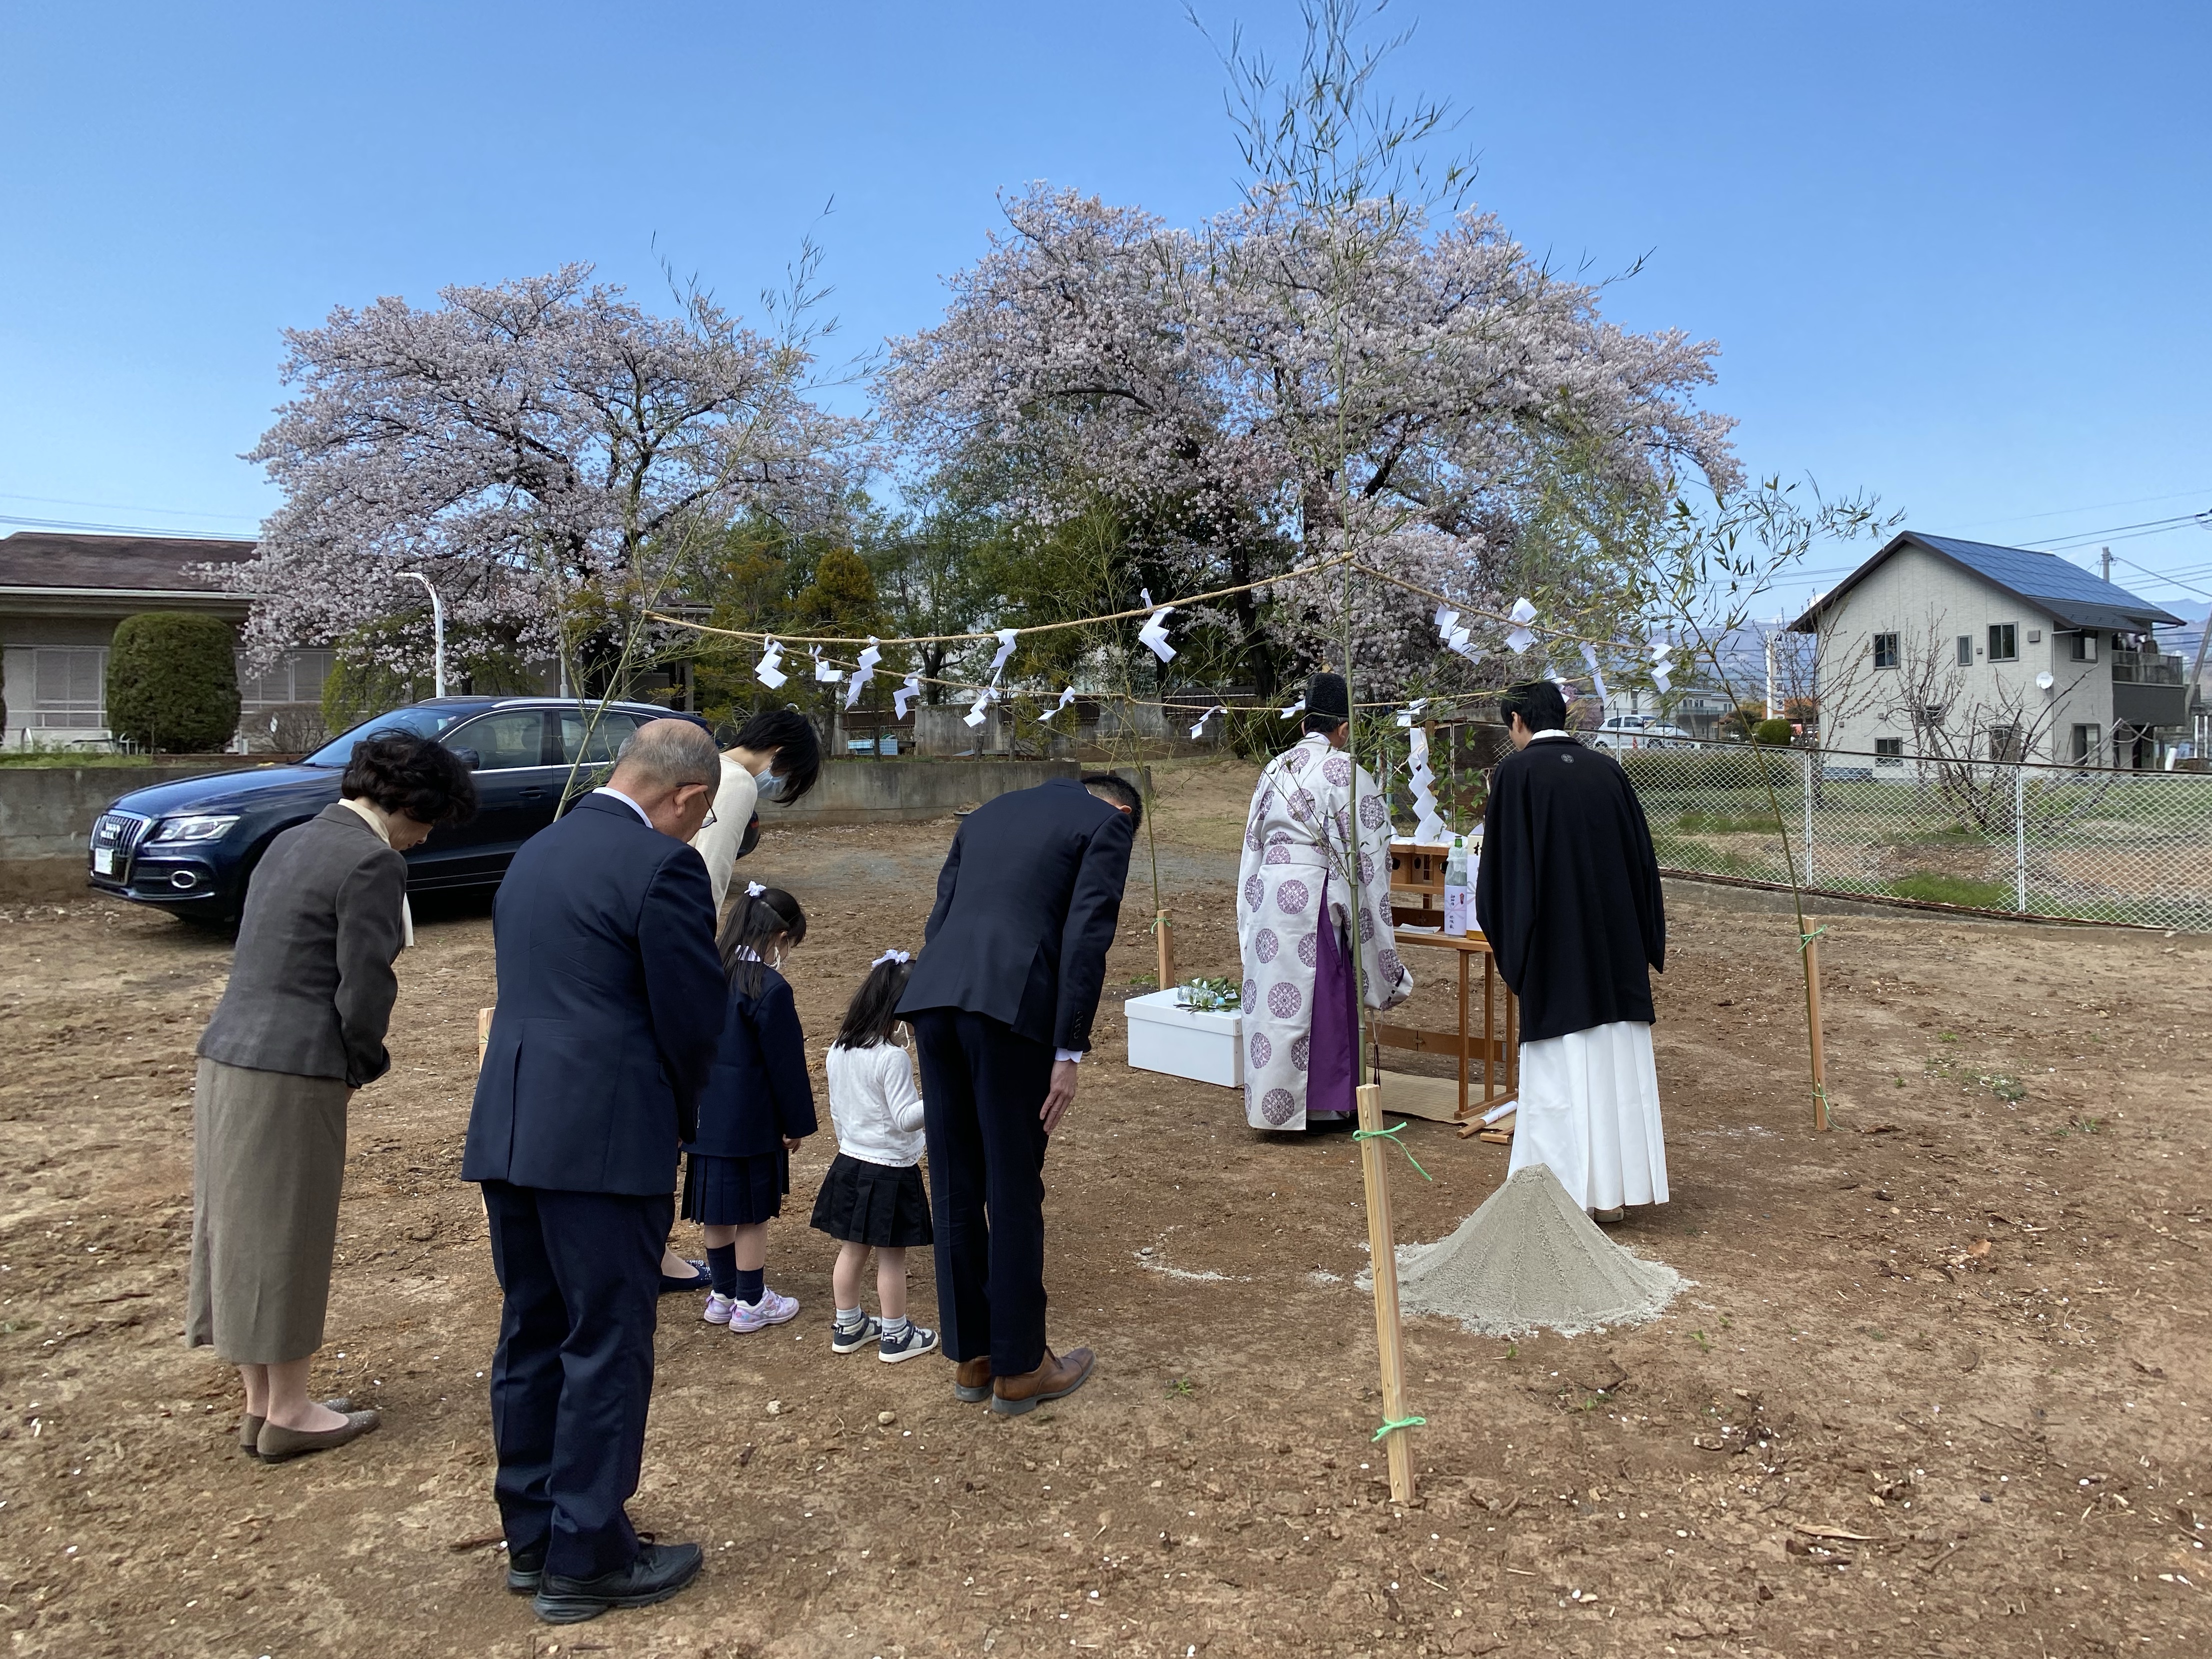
(1416, 871)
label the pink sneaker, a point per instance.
(771, 1309)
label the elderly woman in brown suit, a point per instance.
(301, 1026)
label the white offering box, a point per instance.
(1196, 1044)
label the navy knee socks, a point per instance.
(722, 1268)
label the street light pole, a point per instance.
(437, 631)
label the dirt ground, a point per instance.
(1941, 1384)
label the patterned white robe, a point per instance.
(1298, 841)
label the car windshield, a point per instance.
(422, 722)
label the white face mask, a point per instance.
(767, 786)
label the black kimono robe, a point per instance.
(1568, 891)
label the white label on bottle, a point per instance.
(1456, 912)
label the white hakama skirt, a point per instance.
(1589, 1109)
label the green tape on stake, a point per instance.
(1391, 1135)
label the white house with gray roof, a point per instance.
(1941, 649)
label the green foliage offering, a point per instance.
(1212, 996)
(173, 681)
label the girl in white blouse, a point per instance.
(873, 1197)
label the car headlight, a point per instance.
(199, 829)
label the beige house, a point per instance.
(61, 596)
(1937, 649)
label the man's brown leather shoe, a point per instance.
(1053, 1380)
(972, 1382)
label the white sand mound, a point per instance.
(1530, 1258)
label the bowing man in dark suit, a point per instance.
(1001, 1001)
(610, 1003)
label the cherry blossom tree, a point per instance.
(539, 449)
(1350, 357)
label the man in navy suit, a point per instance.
(610, 1002)
(1001, 1001)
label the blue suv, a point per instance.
(190, 847)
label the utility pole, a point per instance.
(437, 631)
(2107, 562)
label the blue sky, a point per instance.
(1957, 254)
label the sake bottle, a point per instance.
(1456, 895)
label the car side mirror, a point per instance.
(469, 757)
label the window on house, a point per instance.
(2004, 641)
(2082, 647)
(57, 688)
(1889, 752)
(1965, 650)
(1885, 651)
(2088, 747)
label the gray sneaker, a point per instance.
(913, 1340)
(852, 1341)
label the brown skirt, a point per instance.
(268, 1159)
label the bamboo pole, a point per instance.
(1164, 936)
(1812, 1022)
(1381, 1242)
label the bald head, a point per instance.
(671, 769)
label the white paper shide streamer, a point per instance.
(975, 716)
(825, 673)
(905, 694)
(869, 656)
(1154, 633)
(1198, 728)
(1597, 680)
(1429, 827)
(1522, 636)
(769, 670)
(1294, 711)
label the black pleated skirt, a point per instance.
(873, 1204)
(735, 1192)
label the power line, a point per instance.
(124, 530)
(2096, 506)
(2116, 532)
(119, 506)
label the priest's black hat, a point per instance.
(1326, 694)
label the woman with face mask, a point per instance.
(775, 757)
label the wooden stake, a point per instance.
(483, 1035)
(1821, 1124)
(1163, 934)
(1383, 1243)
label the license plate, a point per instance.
(103, 861)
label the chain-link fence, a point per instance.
(2047, 841)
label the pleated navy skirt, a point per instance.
(873, 1204)
(735, 1192)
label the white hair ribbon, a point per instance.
(754, 889)
(890, 956)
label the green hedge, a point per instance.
(173, 681)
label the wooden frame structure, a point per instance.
(1419, 871)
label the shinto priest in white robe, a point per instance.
(1295, 916)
